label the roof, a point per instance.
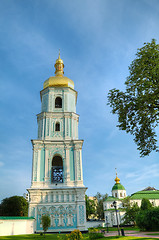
(15, 218)
(149, 189)
(153, 194)
(111, 198)
(58, 81)
(118, 186)
(112, 210)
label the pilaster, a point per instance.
(46, 166)
(67, 164)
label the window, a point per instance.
(115, 194)
(57, 127)
(57, 170)
(120, 194)
(58, 102)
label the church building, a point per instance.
(118, 194)
(57, 187)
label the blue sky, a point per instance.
(98, 41)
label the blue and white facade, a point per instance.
(57, 180)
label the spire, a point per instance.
(59, 54)
(59, 66)
(117, 180)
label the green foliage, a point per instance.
(90, 207)
(130, 214)
(99, 209)
(75, 235)
(148, 219)
(14, 206)
(138, 107)
(94, 234)
(145, 204)
(45, 221)
(126, 202)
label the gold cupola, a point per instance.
(117, 180)
(58, 80)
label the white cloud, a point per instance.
(1, 164)
(145, 173)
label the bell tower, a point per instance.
(57, 178)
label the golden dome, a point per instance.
(59, 80)
(117, 180)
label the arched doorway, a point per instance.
(57, 169)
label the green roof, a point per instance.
(118, 186)
(111, 198)
(15, 218)
(112, 210)
(145, 194)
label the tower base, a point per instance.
(65, 206)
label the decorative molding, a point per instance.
(81, 215)
(61, 216)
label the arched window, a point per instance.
(57, 127)
(57, 170)
(58, 102)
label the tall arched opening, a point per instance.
(57, 169)
(58, 102)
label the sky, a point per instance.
(98, 41)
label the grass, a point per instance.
(116, 229)
(54, 237)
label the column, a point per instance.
(46, 165)
(67, 165)
(66, 127)
(72, 128)
(43, 126)
(75, 163)
(81, 164)
(38, 165)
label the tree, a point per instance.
(138, 107)
(130, 214)
(148, 219)
(126, 202)
(90, 207)
(145, 204)
(14, 206)
(99, 209)
(45, 221)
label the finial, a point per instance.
(59, 66)
(117, 180)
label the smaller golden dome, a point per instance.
(117, 180)
(58, 80)
(59, 60)
(59, 66)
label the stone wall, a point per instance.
(16, 225)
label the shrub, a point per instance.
(45, 220)
(94, 234)
(75, 235)
(148, 219)
(145, 204)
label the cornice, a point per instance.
(58, 114)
